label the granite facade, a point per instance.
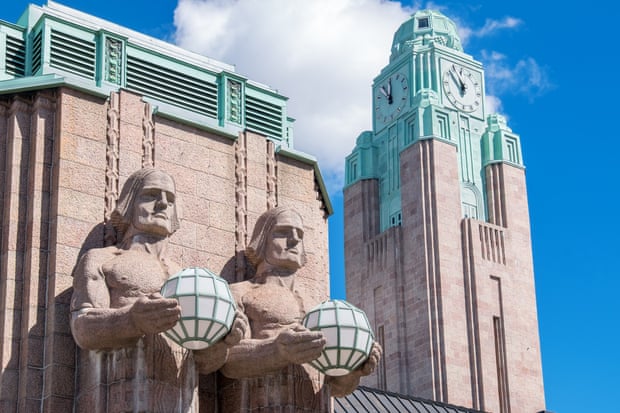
(64, 156)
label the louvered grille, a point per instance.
(172, 87)
(72, 54)
(15, 56)
(263, 117)
(36, 52)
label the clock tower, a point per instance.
(437, 234)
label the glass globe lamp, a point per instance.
(207, 307)
(348, 334)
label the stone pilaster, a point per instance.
(433, 301)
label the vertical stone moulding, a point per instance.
(112, 166)
(12, 250)
(241, 213)
(36, 340)
(3, 274)
(271, 177)
(148, 138)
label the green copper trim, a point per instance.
(234, 93)
(500, 144)
(99, 56)
(360, 164)
(113, 60)
(191, 118)
(48, 81)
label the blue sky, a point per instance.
(552, 71)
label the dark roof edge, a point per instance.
(459, 409)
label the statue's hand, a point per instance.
(154, 314)
(371, 363)
(238, 330)
(343, 385)
(299, 345)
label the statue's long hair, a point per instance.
(122, 216)
(257, 248)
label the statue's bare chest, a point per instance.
(131, 274)
(271, 306)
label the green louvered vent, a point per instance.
(37, 45)
(263, 117)
(72, 54)
(15, 56)
(172, 87)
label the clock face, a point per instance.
(391, 97)
(462, 88)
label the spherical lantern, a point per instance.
(207, 307)
(348, 334)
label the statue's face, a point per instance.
(285, 248)
(154, 206)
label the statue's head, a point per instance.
(148, 204)
(278, 240)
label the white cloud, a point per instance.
(322, 54)
(492, 104)
(525, 77)
(490, 28)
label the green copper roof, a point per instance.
(423, 27)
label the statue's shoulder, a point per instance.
(100, 253)
(240, 288)
(94, 258)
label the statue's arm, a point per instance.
(96, 326)
(212, 358)
(256, 357)
(252, 357)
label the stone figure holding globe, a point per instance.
(268, 369)
(117, 309)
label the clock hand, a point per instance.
(458, 81)
(462, 84)
(389, 88)
(455, 76)
(385, 93)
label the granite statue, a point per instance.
(267, 370)
(117, 308)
